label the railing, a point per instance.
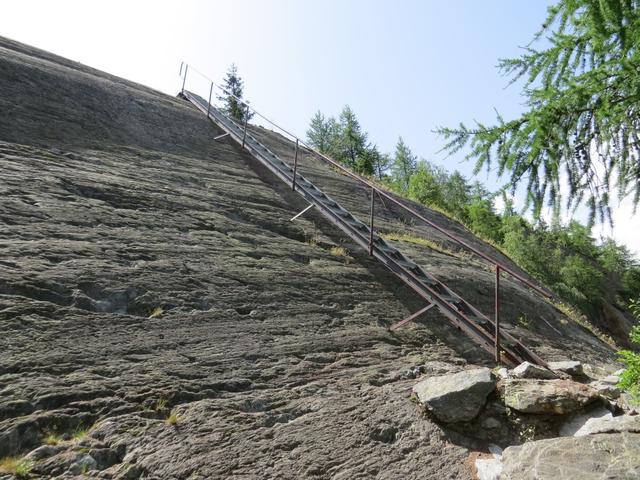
(382, 193)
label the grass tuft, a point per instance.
(79, 434)
(582, 320)
(160, 404)
(438, 247)
(156, 312)
(173, 419)
(339, 252)
(19, 467)
(52, 439)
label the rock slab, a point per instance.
(529, 370)
(623, 423)
(570, 367)
(593, 457)
(458, 397)
(557, 397)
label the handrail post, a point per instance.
(295, 167)
(373, 197)
(497, 314)
(246, 120)
(209, 104)
(184, 79)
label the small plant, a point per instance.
(19, 467)
(173, 419)
(438, 247)
(523, 321)
(52, 439)
(156, 312)
(339, 252)
(630, 378)
(160, 404)
(79, 433)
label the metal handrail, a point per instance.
(499, 267)
(381, 191)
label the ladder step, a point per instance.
(451, 299)
(411, 273)
(478, 320)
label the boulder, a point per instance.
(623, 423)
(556, 397)
(611, 380)
(488, 468)
(593, 457)
(606, 390)
(458, 397)
(571, 367)
(578, 420)
(529, 370)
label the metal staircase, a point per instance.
(458, 311)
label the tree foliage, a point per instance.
(403, 166)
(582, 90)
(232, 98)
(630, 379)
(346, 141)
(582, 271)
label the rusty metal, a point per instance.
(209, 103)
(373, 198)
(246, 121)
(295, 167)
(384, 193)
(389, 196)
(461, 314)
(410, 318)
(497, 315)
(184, 79)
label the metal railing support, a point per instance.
(184, 79)
(246, 120)
(295, 167)
(497, 315)
(373, 197)
(209, 104)
(411, 317)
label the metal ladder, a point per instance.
(458, 311)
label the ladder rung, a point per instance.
(457, 308)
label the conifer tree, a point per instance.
(404, 165)
(322, 132)
(234, 86)
(582, 120)
(351, 142)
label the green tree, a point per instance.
(380, 162)
(233, 105)
(404, 166)
(582, 88)
(424, 186)
(480, 213)
(322, 132)
(350, 146)
(455, 195)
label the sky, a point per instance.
(404, 66)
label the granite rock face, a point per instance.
(458, 397)
(593, 457)
(557, 397)
(146, 268)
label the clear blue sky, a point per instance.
(404, 66)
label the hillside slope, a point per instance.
(117, 206)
